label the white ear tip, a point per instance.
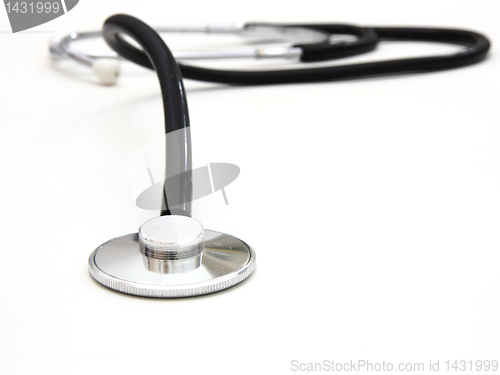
(107, 69)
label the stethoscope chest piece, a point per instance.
(172, 256)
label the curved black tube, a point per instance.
(476, 49)
(178, 139)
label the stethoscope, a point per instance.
(173, 255)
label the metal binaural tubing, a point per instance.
(63, 48)
(237, 53)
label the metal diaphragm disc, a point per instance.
(119, 265)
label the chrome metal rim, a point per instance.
(119, 265)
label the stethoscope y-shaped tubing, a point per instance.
(174, 105)
(476, 48)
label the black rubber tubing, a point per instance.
(476, 48)
(174, 105)
(159, 58)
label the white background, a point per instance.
(373, 204)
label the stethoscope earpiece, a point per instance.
(107, 69)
